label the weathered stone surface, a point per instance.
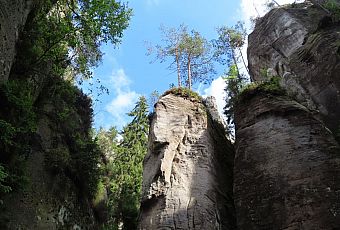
(49, 201)
(13, 15)
(287, 167)
(301, 44)
(187, 178)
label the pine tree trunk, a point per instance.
(189, 72)
(178, 69)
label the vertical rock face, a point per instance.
(287, 167)
(300, 44)
(287, 162)
(187, 178)
(13, 15)
(50, 200)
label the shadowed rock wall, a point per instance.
(287, 161)
(287, 167)
(300, 43)
(13, 15)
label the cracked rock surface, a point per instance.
(187, 178)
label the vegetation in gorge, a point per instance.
(60, 40)
(17, 124)
(270, 86)
(229, 51)
(68, 33)
(334, 8)
(124, 158)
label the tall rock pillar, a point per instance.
(187, 178)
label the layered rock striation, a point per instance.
(287, 167)
(187, 178)
(300, 43)
(287, 160)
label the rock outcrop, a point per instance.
(300, 43)
(13, 15)
(187, 178)
(46, 189)
(287, 167)
(287, 162)
(51, 198)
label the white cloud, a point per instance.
(152, 2)
(120, 81)
(216, 89)
(125, 98)
(255, 8)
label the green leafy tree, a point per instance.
(228, 50)
(108, 142)
(126, 168)
(228, 46)
(234, 87)
(197, 60)
(70, 33)
(172, 38)
(190, 51)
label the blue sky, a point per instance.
(126, 71)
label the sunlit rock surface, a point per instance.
(300, 43)
(187, 179)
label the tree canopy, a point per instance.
(125, 166)
(69, 33)
(190, 54)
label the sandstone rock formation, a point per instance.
(13, 15)
(187, 179)
(287, 162)
(287, 167)
(48, 201)
(300, 43)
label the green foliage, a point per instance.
(190, 51)
(197, 58)
(58, 160)
(234, 83)
(239, 90)
(272, 87)
(56, 29)
(334, 7)
(100, 193)
(3, 175)
(184, 92)
(229, 43)
(124, 167)
(76, 155)
(17, 124)
(84, 170)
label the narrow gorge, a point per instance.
(280, 171)
(286, 169)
